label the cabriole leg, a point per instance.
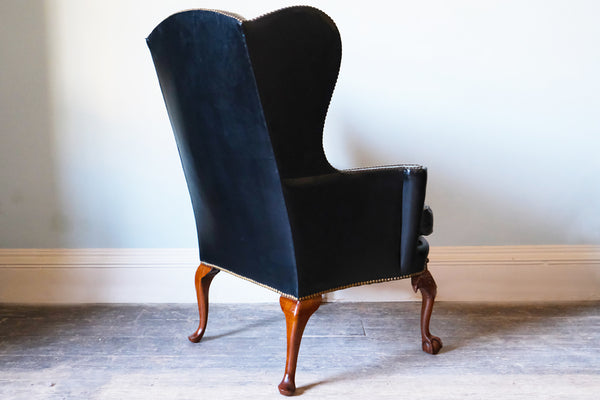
(204, 276)
(297, 313)
(425, 283)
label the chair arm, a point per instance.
(367, 215)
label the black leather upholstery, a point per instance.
(247, 101)
(296, 54)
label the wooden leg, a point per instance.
(297, 313)
(204, 276)
(425, 283)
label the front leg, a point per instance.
(204, 276)
(424, 282)
(297, 313)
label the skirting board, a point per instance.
(465, 273)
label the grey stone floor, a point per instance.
(349, 350)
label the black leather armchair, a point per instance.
(247, 100)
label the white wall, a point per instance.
(499, 98)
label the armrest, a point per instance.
(359, 216)
(389, 173)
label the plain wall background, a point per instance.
(500, 99)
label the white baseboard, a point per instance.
(113, 276)
(465, 273)
(500, 274)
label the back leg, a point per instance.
(204, 276)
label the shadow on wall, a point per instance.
(31, 212)
(85, 162)
(29, 205)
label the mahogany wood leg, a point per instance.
(297, 313)
(204, 276)
(425, 283)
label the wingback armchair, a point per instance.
(247, 101)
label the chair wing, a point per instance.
(296, 54)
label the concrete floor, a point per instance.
(349, 351)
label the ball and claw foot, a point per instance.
(432, 345)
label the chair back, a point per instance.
(206, 77)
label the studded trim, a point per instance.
(393, 166)
(289, 296)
